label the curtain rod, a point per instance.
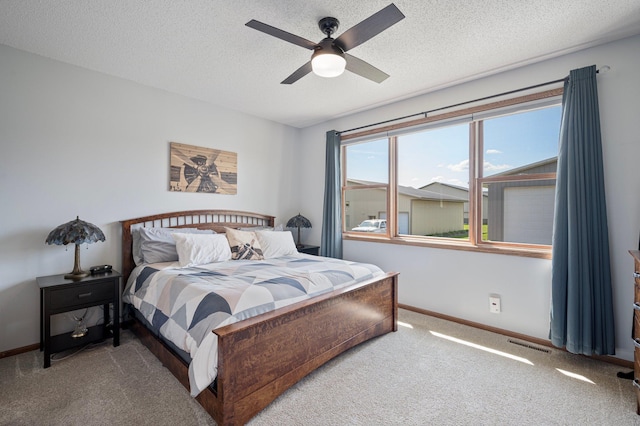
(605, 68)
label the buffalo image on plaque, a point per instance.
(198, 169)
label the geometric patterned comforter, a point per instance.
(185, 304)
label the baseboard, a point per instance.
(17, 351)
(530, 339)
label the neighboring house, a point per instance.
(420, 212)
(460, 192)
(523, 211)
(514, 211)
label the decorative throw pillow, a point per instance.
(276, 244)
(244, 245)
(200, 249)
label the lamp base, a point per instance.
(76, 275)
(77, 272)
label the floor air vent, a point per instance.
(527, 345)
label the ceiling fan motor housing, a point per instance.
(327, 45)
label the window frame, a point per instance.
(476, 179)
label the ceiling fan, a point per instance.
(329, 58)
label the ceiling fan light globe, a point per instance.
(328, 65)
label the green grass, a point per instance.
(462, 233)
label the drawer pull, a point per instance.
(636, 306)
(636, 384)
(80, 296)
(636, 275)
(636, 342)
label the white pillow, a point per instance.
(276, 243)
(200, 249)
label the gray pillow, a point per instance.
(154, 245)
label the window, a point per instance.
(478, 178)
(365, 195)
(518, 175)
(433, 182)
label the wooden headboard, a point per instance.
(201, 219)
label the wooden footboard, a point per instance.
(261, 357)
(276, 350)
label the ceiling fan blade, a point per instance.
(370, 27)
(298, 74)
(364, 69)
(283, 35)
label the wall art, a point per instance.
(198, 169)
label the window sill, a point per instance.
(452, 244)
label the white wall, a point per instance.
(76, 142)
(458, 283)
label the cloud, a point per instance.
(460, 167)
(364, 151)
(437, 179)
(494, 151)
(367, 154)
(496, 167)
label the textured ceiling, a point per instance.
(202, 48)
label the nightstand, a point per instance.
(59, 295)
(314, 250)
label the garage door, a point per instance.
(403, 222)
(528, 214)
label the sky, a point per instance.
(442, 155)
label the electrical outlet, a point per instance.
(494, 304)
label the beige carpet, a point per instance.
(412, 377)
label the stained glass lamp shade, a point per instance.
(298, 221)
(75, 232)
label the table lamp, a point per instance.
(298, 221)
(75, 232)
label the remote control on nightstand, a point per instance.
(100, 269)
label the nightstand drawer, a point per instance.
(80, 295)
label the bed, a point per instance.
(260, 357)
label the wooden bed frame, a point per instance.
(278, 347)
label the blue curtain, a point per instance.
(331, 243)
(581, 296)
